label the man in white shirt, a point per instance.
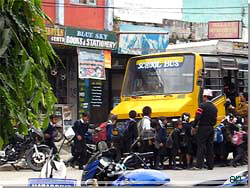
(146, 133)
(145, 123)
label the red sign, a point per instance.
(224, 30)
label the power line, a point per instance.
(136, 8)
(168, 12)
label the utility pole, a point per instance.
(248, 93)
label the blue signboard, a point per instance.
(142, 43)
(51, 182)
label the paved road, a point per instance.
(8, 176)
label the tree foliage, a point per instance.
(25, 56)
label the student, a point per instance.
(80, 127)
(177, 141)
(160, 144)
(189, 139)
(50, 133)
(132, 134)
(145, 131)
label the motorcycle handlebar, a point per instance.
(145, 154)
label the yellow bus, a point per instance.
(173, 83)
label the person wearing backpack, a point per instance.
(241, 147)
(189, 139)
(146, 134)
(228, 131)
(145, 131)
(160, 144)
(131, 131)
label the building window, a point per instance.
(84, 2)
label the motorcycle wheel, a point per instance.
(59, 135)
(36, 161)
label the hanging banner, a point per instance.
(91, 64)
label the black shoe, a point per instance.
(159, 168)
(72, 165)
(177, 168)
(80, 167)
(196, 168)
(233, 164)
(209, 168)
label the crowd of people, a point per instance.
(189, 145)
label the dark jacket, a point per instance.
(51, 131)
(80, 128)
(179, 141)
(132, 130)
(161, 135)
(206, 115)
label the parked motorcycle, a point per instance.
(27, 147)
(102, 167)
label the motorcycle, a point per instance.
(26, 147)
(102, 167)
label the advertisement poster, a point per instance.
(91, 64)
(140, 44)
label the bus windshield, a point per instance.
(159, 75)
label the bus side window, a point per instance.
(242, 74)
(213, 79)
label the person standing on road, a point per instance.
(146, 133)
(205, 119)
(132, 130)
(50, 133)
(80, 127)
(242, 111)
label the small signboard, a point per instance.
(224, 30)
(96, 93)
(55, 34)
(51, 182)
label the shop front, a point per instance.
(80, 80)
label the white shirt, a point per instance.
(81, 120)
(146, 123)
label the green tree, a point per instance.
(25, 57)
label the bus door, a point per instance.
(229, 72)
(213, 81)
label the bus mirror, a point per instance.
(201, 74)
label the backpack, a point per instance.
(102, 134)
(238, 137)
(218, 134)
(145, 134)
(122, 128)
(169, 141)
